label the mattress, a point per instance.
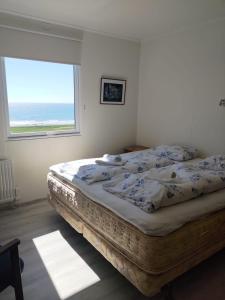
(152, 242)
(159, 223)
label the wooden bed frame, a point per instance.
(148, 283)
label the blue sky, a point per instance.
(39, 82)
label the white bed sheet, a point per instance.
(159, 223)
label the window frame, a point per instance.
(40, 134)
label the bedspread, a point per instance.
(90, 172)
(166, 186)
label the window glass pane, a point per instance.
(40, 96)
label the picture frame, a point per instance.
(112, 91)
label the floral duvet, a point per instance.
(137, 163)
(167, 185)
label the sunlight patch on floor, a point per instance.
(66, 268)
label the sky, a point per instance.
(38, 82)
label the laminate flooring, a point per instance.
(61, 265)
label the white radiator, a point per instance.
(7, 186)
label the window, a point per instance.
(41, 97)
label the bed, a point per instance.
(149, 251)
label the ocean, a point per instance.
(24, 114)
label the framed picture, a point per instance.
(112, 91)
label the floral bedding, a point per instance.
(137, 163)
(176, 152)
(167, 185)
(215, 162)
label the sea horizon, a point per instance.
(41, 114)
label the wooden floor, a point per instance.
(61, 264)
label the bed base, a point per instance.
(148, 284)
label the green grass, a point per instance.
(30, 129)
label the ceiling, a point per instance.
(134, 19)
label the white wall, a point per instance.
(109, 127)
(182, 78)
(103, 128)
